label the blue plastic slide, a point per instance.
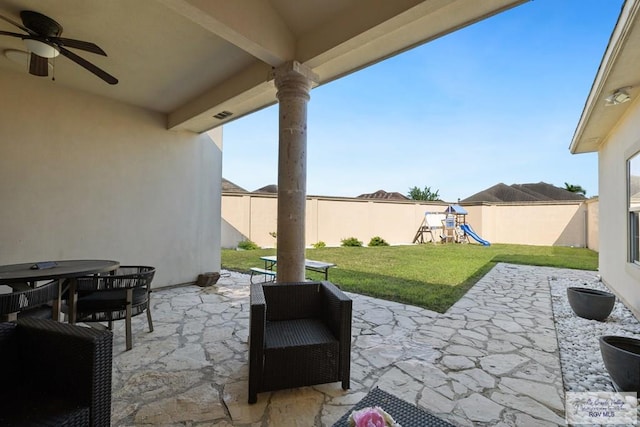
(469, 231)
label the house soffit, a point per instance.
(618, 69)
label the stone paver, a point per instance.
(492, 359)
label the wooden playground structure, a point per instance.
(447, 226)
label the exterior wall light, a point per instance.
(618, 96)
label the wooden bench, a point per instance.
(263, 271)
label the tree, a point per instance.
(575, 189)
(416, 193)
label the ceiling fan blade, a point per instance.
(38, 66)
(78, 44)
(22, 27)
(89, 66)
(8, 33)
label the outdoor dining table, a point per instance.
(312, 265)
(15, 275)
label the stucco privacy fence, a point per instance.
(330, 219)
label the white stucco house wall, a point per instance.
(610, 126)
(86, 177)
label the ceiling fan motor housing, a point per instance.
(40, 24)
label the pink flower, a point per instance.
(371, 417)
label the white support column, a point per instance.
(293, 81)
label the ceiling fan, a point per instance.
(43, 41)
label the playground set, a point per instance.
(450, 226)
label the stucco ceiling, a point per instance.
(192, 59)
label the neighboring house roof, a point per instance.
(618, 71)
(230, 187)
(537, 192)
(381, 194)
(271, 188)
(543, 190)
(500, 193)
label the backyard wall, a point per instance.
(545, 224)
(85, 177)
(253, 216)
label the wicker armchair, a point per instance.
(30, 302)
(300, 334)
(54, 374)
(116, 295)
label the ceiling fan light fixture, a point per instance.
(41, 49)
(20, 57)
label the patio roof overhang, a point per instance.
(195, 59)
(618, 69)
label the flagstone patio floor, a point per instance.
(491, 359)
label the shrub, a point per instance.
(378, 241)
(319, 244)
(350, 241)
(248, 245)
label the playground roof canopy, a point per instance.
(455, 209)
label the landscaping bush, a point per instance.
(248, 245)
(378, 241)
(319, 245)
(350, 241)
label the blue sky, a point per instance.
(498, 101)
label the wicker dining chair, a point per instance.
(29, 302)
(55, 374)
(116, 295)
(300, 335)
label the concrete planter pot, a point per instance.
(591, 304)
(207, 279)
(621, 357)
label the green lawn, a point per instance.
(430, 276)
